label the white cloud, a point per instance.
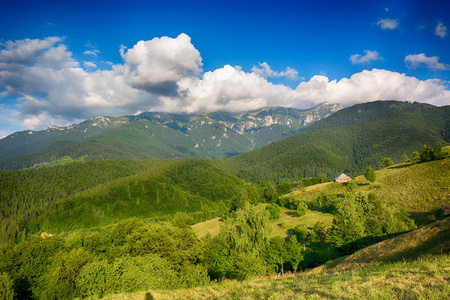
(388, 24)
(157, 65)
(164, 74)
(89, 64)
(440, 30)
(373, 85)
(365, 59)
(23, 51)
(231, 89)
(415, 61)
(92, 52)
(265, 71)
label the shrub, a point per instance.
(274, 211)
(127, 274)
(302, 208)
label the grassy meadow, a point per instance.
(415, 188)
(288, 220)
(425, 278)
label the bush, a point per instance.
(60, 281)
(283, 188)
(288, 202)
(302, 208)
(274, 211)
(129, 274)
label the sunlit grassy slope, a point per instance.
(416, 188)
(426, 278)
(430, 239)
(288, 221)
(414, 265)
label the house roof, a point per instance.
(342, 176)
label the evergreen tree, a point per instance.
(437, 151)
(426, 154)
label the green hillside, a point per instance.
(413, 265)
(88, 246)
(142, 139)
(24, 142)
(418, 189)
(345, 143)
(425, 278)
(428, 240)
(92, 194)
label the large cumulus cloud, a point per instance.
(42, 81)
(157, 65)
(373, 85)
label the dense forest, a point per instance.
(348, 141)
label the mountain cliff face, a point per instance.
(160, 135)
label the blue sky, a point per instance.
(64, 61)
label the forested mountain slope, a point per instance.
(347, 141)
(153, 135)
(90, 194)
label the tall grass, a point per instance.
(425, 278)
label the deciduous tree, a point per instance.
(370, 174)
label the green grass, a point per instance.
(211, 226)
(429, 239)
(425, 278)
(63, 161)
(417, 188)
(287, 221)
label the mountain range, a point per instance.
(348, 141)
(156, 135)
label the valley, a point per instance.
(150, 206)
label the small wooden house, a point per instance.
(342, 178)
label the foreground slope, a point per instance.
(347, 141)
(431, 239)
(414, 265)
